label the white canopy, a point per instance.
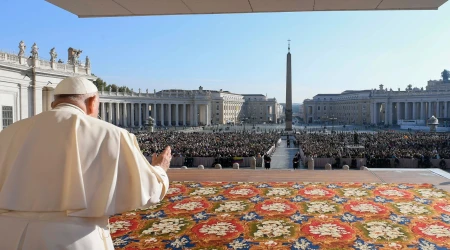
(108, 8)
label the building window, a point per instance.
(324, 107)
(318, 107)
(7, 115)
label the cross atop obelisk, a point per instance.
(288, 108)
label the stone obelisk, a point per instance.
(288, 108)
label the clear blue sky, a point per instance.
(243, 53)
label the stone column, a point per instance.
(184, 114)
(124, 116)
(117, 114)
(195, 114)
(386, 113)
(23, 101)
(414, 111)
(406, 110)
(103, 111)
(154, 113)
(438, 109)
(140, 114)
(207, 115)
(169, 113)
(132, 115)
(446, 109)
(162, 114)
(398, 113)
(176, 115)
(110, 112)
(430, 110)
(37, 100)
(422, 111)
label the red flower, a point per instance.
(176, 189)
(328, 231)
(393, 193)
(220, 230)
(188, 206)
(276, 207)
(120, 226)
(317, 192)
(437, 232)
(365, 208)
(442, 207)
(241, 191)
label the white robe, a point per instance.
(61, 166)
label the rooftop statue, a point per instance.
(53, 55)
(22, 48)
(34, 51)
(88, 62)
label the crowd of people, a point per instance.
(198, 144)
(379, 145)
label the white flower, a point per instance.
(430, 193)
(278, 192)
(436, 231)
(320, 207)
(241, 191)
(394, 245)
(173, 190)
(231, 206)
(219, 229)
(270, 243)
(189, 206)
(392, 192)
(236, 244)
(328, 229)
(151, 207)
(317, 191)
(366, 207)
(411, 208)
(382, 230)
(179, 242)
(204, 191)
(303, 244)
(272, 229)
(249, 216)
(119, 225)
(165, 226)
(279, 207)
(356, 192)
(200, 216)
(151, 240)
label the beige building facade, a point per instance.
(27, 82)
(259, 108)
(381, 106)
(349, 107)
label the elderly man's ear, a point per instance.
(92, 104)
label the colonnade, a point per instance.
(129, 114)
(390, 112)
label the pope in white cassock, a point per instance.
(64, 172)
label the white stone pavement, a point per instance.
(282, 158)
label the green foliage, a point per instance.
(102, 85)
(445, 75)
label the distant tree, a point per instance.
(124, 89)
(445, 75)
(409, 87)
(100, 84)
(113, 87)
